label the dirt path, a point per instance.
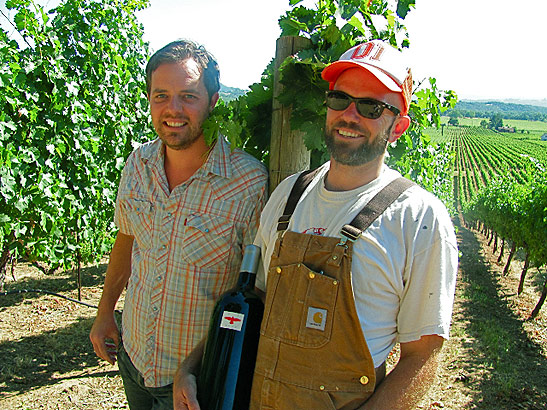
(495, 359)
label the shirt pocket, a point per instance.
(300, 306)
(208, 241)
(139, 214)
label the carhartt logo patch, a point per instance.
(316, 318)
(231, 320)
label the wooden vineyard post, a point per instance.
(288, 154)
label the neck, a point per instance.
(180, 165)
(345, 177)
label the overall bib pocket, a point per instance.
(300, 306)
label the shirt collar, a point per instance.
(218, 161)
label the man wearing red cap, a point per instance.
(355, 259)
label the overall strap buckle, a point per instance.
(349, 232)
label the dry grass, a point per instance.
(496, 358)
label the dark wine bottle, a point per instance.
(226, 374)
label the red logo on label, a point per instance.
(232, 319)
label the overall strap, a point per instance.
(303, 180)
(375, 207)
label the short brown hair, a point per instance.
(180, 50)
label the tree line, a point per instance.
(490, 109)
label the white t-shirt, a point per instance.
(404, 265)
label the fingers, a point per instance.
(111, 351)
(185, 392)
(106, 349)
(104, 336)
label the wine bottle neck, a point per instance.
(246, 280)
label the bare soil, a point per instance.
(495, 359)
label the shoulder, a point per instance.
(237, 164)
(415, 197)
(423, 201)
(144, 152)
(243, 163)
(284, 188)
(247, 172)
(422, 209)
(281, 193)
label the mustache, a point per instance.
(350, 126)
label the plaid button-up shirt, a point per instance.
(187, 249)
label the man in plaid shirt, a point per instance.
(185, 211)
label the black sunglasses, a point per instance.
(367, 107)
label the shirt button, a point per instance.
(363, 380)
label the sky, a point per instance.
(481, 49)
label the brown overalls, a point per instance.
(312, 353)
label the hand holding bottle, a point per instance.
(185, 385)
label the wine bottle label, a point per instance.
(232, 320)
(317, 318)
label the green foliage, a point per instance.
(73, 104)
(332, 28)
(516, 211)
(496, 121)
(246, 121)
(483, 154)
(453, 121)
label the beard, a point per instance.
(180, 140)
(348, 154)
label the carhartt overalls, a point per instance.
(312, 353)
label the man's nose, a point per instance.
(175, 104)
(351, 111)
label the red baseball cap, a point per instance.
(382, 60)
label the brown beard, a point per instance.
(176, 142)
(345, 154)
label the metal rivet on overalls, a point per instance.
(278, 269)
(335, 282)
(363, 380)
(334, 257)
(312, 275)
(321, 387)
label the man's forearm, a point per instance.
(192, 362)
(117, 273)
(409, 381)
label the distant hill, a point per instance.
(485, 109)
(230, 93)
(539, 103)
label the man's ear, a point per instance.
(400, 125)
(213, 102)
